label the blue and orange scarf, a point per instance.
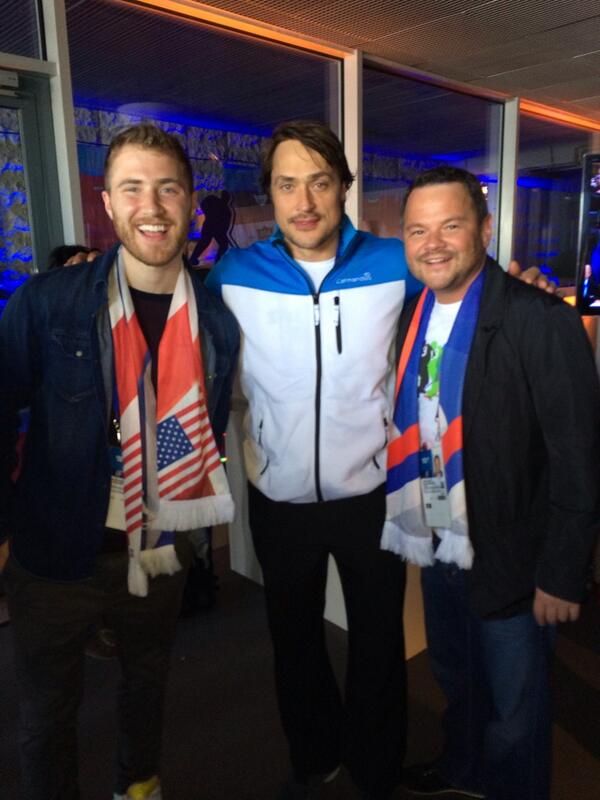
(173, 478)
(405, 531)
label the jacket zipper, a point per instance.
(317, 324)
(317, 321)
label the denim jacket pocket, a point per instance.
(71, 365)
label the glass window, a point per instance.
(19, 28)
(410, 126)
(221, 93)
(548, 187)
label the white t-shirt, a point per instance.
(441, 321)
(317, 270)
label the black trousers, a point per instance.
(367, 731)
(50, 624)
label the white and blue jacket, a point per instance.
(316, 365)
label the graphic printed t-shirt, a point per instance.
(443, 316)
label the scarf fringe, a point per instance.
(455, 549)
(137, 580)
(160, 561)
(415, 549)
(184, 515)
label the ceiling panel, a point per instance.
(569, 71)
(451, 40)
(590, 104)
(350, 20)
(575, 90)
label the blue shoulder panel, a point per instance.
(363, 260)
(263, 265)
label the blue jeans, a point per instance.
(495, 676)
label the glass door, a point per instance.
(30, 220)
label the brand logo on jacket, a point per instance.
(365, 277)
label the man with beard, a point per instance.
(505, 531)
(126, 364)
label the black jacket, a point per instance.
(531, 419)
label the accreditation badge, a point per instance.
(115, 517)
(433, 489)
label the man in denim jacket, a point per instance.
(62, 521)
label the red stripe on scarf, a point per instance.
(176, 345)
(452, 439)
(409, 342)
(193, 474)
(403, 445)
(206, 485)
(128, 337)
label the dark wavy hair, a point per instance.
(314, 135)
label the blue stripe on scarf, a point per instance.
(406, 412)
(454, 469)
(456, 352)
(403, 473)
(452, 378)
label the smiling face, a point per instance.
(308, 198)
(150, 205)
(444, 241)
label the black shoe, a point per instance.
(425, 780)
(299, 790)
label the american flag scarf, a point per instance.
(405, 531)
(173, 479)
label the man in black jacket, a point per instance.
(511, 409)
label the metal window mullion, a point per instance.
(63, 118)
(508, 180)
(353, 131)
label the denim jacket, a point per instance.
(56, 359)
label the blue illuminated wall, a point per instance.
(15, 231)
(221, 159)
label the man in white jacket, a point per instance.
(318, 306)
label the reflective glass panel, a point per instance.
(19, 30)
(221, 93)
(548, 188)
(410, 126)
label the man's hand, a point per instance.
(4, 551)
(548, 610)
(532, 276)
